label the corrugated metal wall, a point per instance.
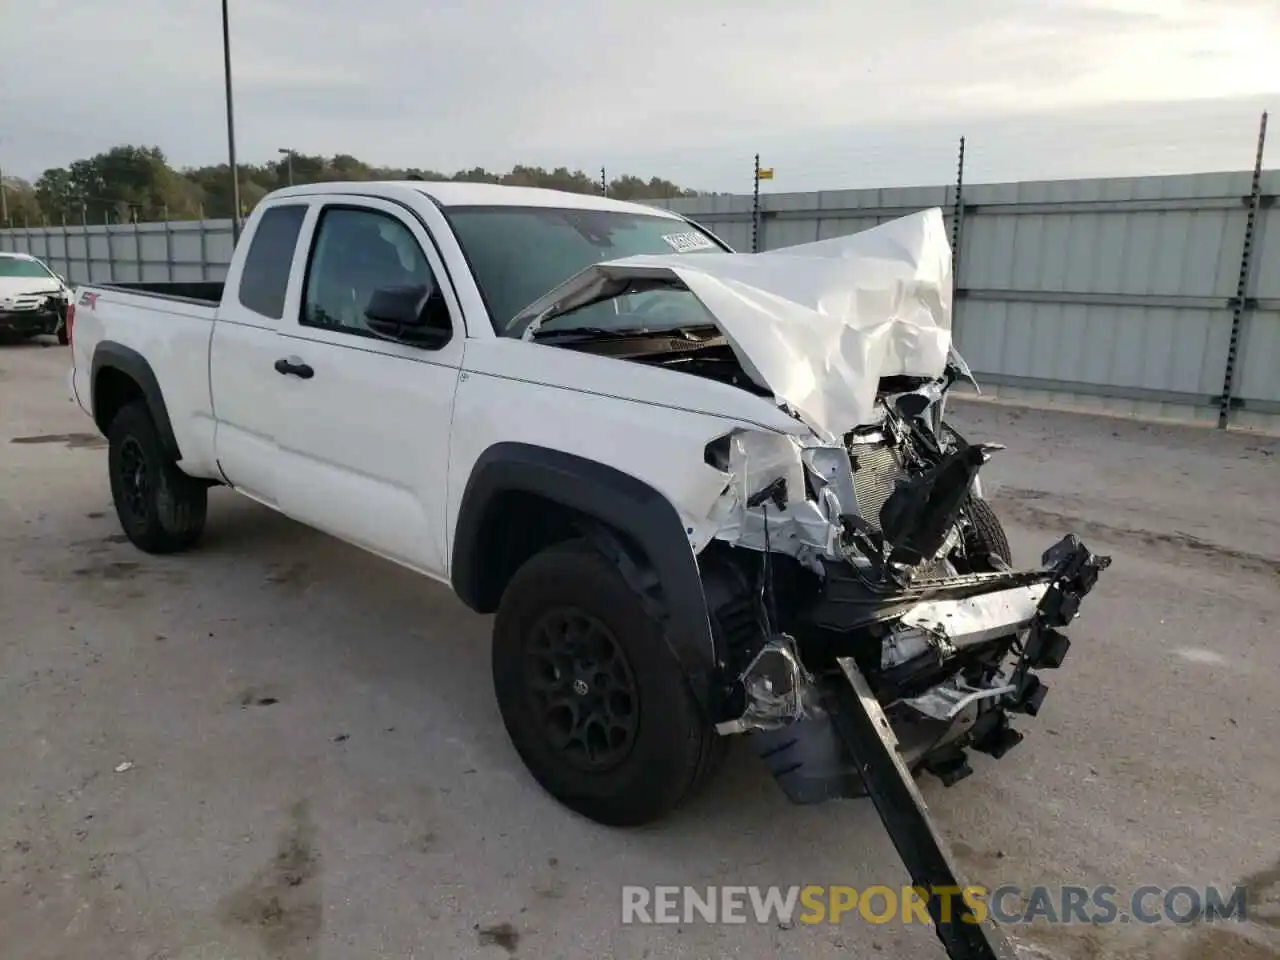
(183, 250)
(1114, 294)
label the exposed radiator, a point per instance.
(876, 473)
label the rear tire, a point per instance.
(595, 703)
(161, 509)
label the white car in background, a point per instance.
(33, 299)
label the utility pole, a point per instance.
(231, 125)
(288, 153)
(604, 184)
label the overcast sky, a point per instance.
(833, 92)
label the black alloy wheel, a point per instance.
(131, 474)
(596, 703)
(581, 688)
(160, 508)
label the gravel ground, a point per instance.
(316, 768)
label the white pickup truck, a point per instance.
(704, 492)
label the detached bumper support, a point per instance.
(866, 732)
(862, 726)
(1075, 572)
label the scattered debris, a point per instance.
(280, 903)
(264, 696)
(503, 935)
(124, 767)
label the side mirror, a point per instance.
(406, 315)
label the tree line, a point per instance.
(136, 183)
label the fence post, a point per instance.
(66, 249)
(111, 252)
(956, 215)
(1241, 302)
(137, 245)
(755, 208)
(168, 246)
(957, 235)
(84, 235)
(204, 252)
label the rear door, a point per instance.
(363, 440)
(259, 293)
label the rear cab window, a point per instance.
(264, 278)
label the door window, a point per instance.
(264, 279)
(355, 253)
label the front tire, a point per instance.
(985, 536)
(594, 701)
(161, 509)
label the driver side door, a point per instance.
(364, 421)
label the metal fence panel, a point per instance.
(124, 253)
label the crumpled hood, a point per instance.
(819, 324)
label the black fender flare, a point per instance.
(667, 577)
(109, 355)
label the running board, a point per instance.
(865, 730)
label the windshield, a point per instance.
(519, 253)
(22, 267)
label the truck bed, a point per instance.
(203, 292)
(137, 322)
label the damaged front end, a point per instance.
(872, 555)
(841, 528)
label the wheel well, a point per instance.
(518, 524)
(112, 389)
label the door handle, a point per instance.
(295, 367)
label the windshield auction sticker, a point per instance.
(688, 242)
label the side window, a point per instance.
(265, 277)
(356, 252)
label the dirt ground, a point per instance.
(278, 746)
